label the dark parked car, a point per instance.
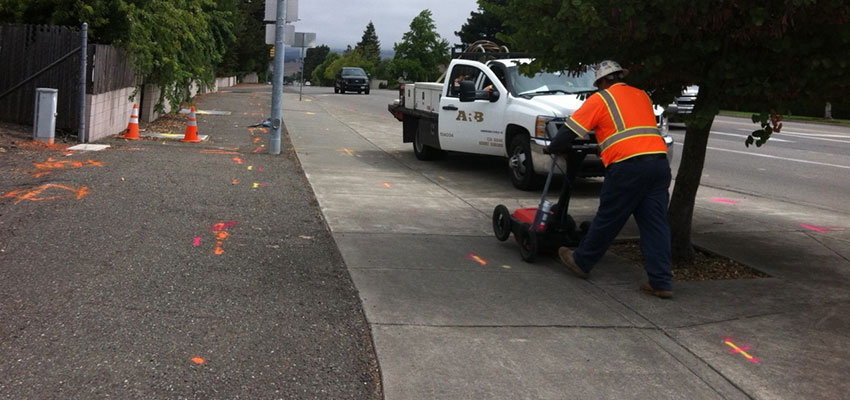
(351, 79)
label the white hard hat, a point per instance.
(606, 68)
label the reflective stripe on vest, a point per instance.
(621, 132)
(576, 127)
(626, 134)
(613, 110)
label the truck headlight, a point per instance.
(540, 126)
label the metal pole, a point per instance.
(301, 89)
(81, 132)
(277, 79)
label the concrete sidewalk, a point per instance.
(456, 314)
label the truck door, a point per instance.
(477, 126)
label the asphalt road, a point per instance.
(805, 164)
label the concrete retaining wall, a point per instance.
(108, 113)
(251, 78)
(152, 92)
(224, 82)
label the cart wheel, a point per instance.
(528, 245)
(502, 223)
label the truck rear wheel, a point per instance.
(522, 167)
(422, 151)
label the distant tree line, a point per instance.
(418, 57)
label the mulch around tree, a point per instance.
(705, 267)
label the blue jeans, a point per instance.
(639, 188)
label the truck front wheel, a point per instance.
(522, 167)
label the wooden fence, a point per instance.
(27, 49)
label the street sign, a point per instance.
(304, 40)
(291, 11)
(288, 34)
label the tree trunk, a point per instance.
(681, 211)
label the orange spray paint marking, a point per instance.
(33, 194)
(347, 151)
(223, 225)
(237, 160)
(235, 181)
(477, 259)
(198, 360)
(52, 165)
(257, 150)
(736, 349)
(387, 185)
(220, 235)
(256, 139)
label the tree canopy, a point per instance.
(369, 46)
(765, 53)
(315, 56)
(171, 42)
(483, 24)
(421, 50)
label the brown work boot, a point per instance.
(664, 294)
(566, 256)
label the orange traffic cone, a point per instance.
(132, 132)
(191, 135)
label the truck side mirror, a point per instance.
(467, 91)
(493, 95)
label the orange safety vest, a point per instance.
(623, 121)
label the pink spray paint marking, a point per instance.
(724, 201)
(197, 241)
(259, 168)
(815, 228)
(740, 350)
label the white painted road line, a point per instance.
(816, 136)
(772, 139)
(825, 130)
(775, 157)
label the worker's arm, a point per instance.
(562, 142)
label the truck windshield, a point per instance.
(353, 72)
(544, 83)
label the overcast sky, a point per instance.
(338, 23)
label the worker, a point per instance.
(637, 176)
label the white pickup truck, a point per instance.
(499, 112)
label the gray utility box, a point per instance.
(44, 122)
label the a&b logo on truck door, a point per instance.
(476, 116)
